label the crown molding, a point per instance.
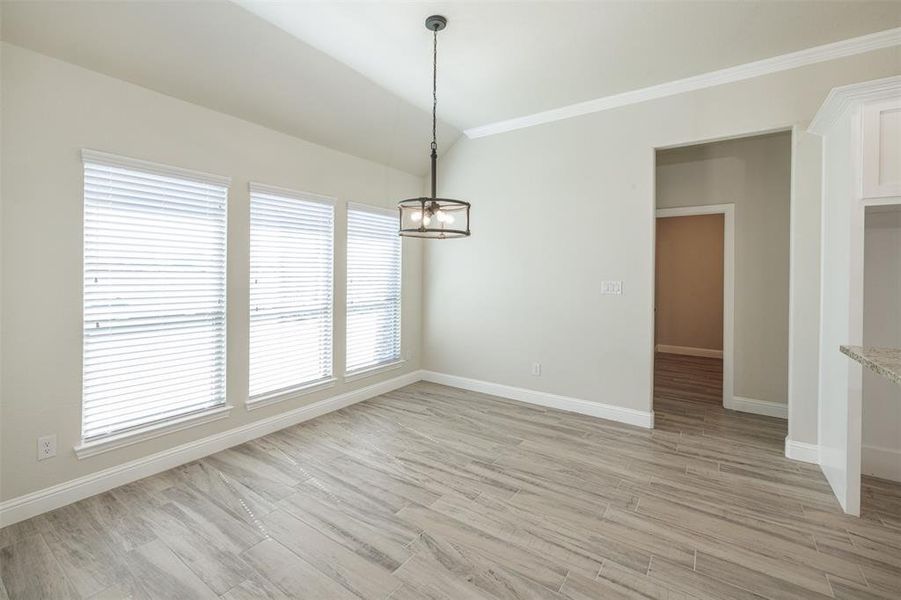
(842, 99)
(784, 62)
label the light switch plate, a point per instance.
(536, 369)
(612, 288)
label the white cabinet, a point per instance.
(861, 129)
(880, 138)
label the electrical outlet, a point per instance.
(46, 447)
(536, 369)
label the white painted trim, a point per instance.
(129, 438)
(610, 412)
(728, 212)
(741, 134)
(105, 158)
(690, 211)
(41, 501)
(884, 463)
(689, 351)
(767, 66)
(651, 274)
(880, 202)
(370, 371)
(844, 98)
(254, 187)
(291, 393)
(793, 220)
(378, 210)
(766, 408)
(871, 144)
(802, 451)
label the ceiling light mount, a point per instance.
(431, 216)
(435, 23)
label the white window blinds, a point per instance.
(373, 288)
(154, 294)
(291, 281)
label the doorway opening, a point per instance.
(880, 452)
(721, 331)
(693, 283)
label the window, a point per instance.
(154, 295)
(373, 288)
(291, 246)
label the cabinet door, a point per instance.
(881, 149)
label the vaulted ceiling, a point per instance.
(218, 55)
(500, 60)
(355, 76)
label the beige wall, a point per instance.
(560, 207)
(689, 282)
(754, 174)
(881, 452)
(50, 111)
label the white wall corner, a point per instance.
(766, 408)
(629, 416)
(802, 451)
(41, 501)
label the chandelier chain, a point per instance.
(434, 85)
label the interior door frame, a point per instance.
(728, 212)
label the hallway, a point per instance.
(688, 398)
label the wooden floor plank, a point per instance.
(434, 492)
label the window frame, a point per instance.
(97, 444)
(307, 387)
(395, 363)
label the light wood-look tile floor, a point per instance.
(433, 492)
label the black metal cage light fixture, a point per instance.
(434, 217)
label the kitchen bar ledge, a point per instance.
(883, 361)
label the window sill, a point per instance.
(369, 371)
(289, 394)
(121, 440)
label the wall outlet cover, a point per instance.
(46, 447)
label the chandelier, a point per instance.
(434, 217)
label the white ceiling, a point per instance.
(355, 76)
(499, 60)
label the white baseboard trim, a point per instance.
(689, 351)
(884, 463)
(758, 407)
(802, 451)
(629, 416)
(41, 501)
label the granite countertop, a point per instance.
(884, 361)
